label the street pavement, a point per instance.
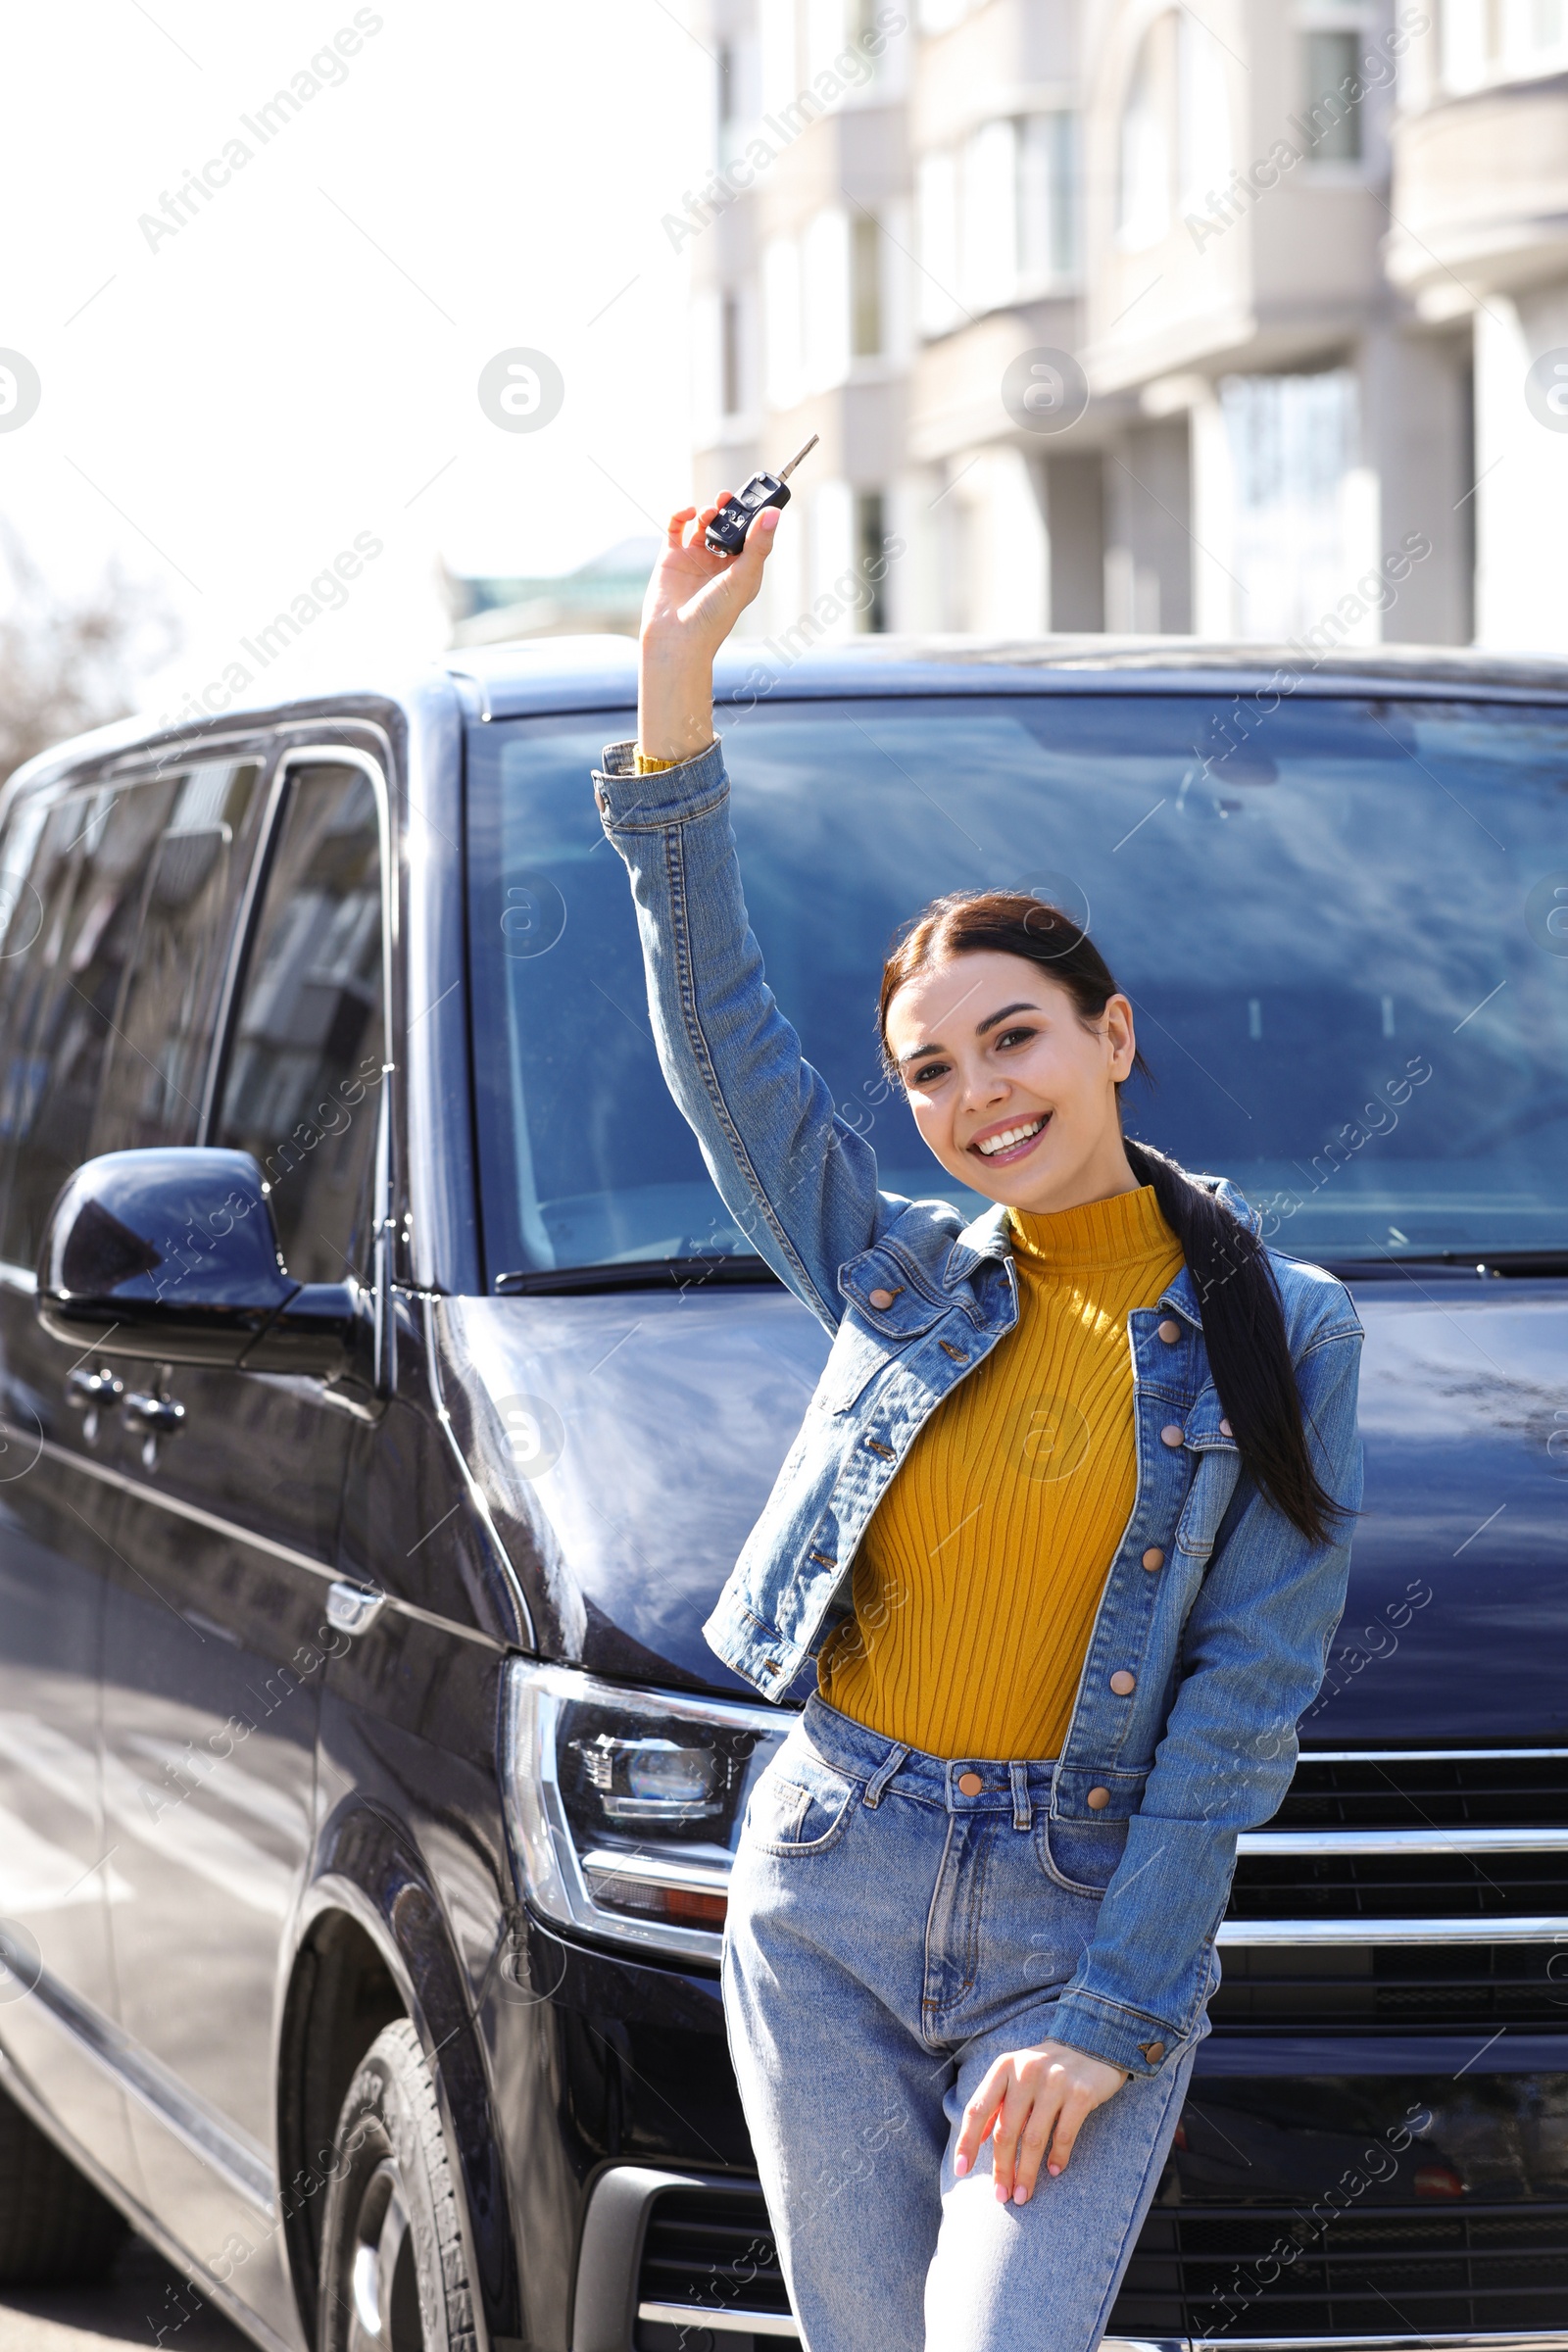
(140, 2297)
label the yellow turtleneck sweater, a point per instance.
(977, 1583)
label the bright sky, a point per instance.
(228, 406)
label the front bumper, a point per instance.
(629, 2298)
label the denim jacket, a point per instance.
(1227, 1641)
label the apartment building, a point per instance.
(912, 232)
(802, 324)
(1479, 247)
(1249, 319)
(1291, 426)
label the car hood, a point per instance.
(626, 1445)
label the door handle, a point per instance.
(351, 1607)
(85, 1390)
(156, 1416)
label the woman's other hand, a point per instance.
(693, 602)
(1031, 2100)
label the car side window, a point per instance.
(83, 890)
(302, 1088)
(24, 861)
(163, 1034)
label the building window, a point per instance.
(709, 387)
(1328, 61)
(988, 217)
(825, 300)
(865, 287)
(1292, 443)
(870, 533)
(827, 29)
(1143, 212)
(996, 220)
(780, 56)
(1202, 112)
(937, 206)
(1046, 232)
(1489, 41)
(781, 318)
(729, 356)
(1468, 42)
(725, 90)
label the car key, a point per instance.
(726, 533)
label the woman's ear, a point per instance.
(1120, 1036)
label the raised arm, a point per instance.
(800, 1183)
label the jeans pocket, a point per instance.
(801, 1805)
(1080, 1855)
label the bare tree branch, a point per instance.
(68, 663)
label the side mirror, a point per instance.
(172, 1254)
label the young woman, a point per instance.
(1065, 1531)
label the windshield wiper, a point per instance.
(682, 1274)
(686, 1274)
(1465, 1264)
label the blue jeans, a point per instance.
(888, 1937)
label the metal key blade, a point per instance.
(786, 470)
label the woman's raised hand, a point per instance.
(1030, 2100)
(693, 602)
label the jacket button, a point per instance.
(1225, 1429)
(880, 1299)
(970, 1782)
(1153, 2051)
(1098, 1799)
(1153, 1559)
(1171, 1435)
(1124, 1682)
(1170, 1332)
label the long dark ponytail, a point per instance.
(1243, 1322)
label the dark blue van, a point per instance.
(385, 1394)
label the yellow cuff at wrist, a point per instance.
(647, 767)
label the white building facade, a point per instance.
(1479, 247)
(1240, 322)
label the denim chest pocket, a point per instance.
(1219, 1466)
(1207, 1436)
(871, 1339)
(1080, 1855)
(801, 1805)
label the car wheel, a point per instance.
(394, 2273)
(55, 2229)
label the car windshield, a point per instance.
(1343, 925)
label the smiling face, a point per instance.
(1010, 1086)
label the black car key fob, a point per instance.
(726, 533)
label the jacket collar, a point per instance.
(988, 1235)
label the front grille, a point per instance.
(1448, 1885)
(711, 2249)
(1419, 1985)
(1397, 2271)
(1226, 2271)
(1424, 1851)
(1514, 1789)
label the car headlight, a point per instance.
(627, 1804)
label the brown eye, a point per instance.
(1011, 1037)
(927, 1077)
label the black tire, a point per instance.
(55, 2229)
(392, 2249)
